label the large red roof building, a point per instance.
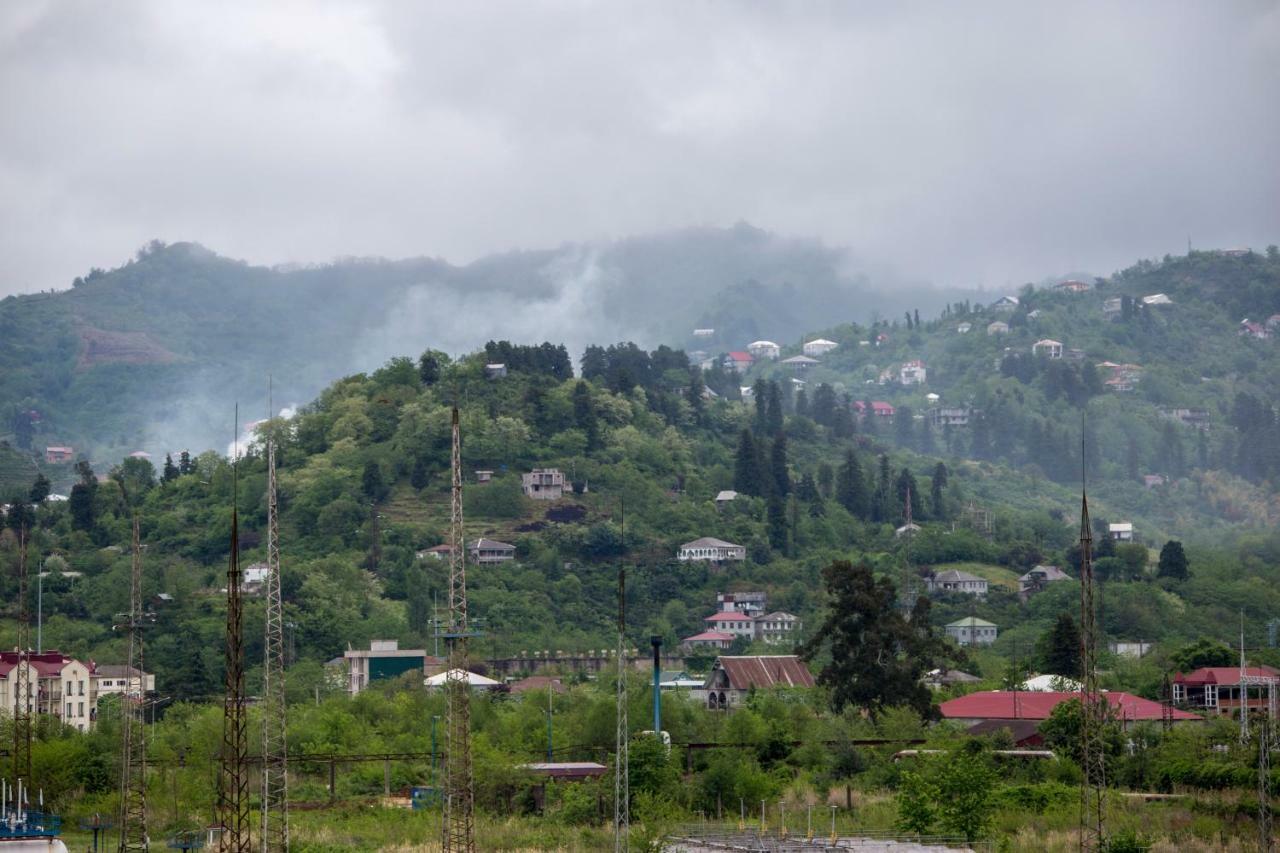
(1018, 705)
(1217, 688)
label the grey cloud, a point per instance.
(964, 143)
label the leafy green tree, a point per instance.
(875, 655)
(80, 505)
(966, 784)
(1173, 561)
(20, 517)
(430, 363)
(1202, 652)
(917, 802)
(371, 482)
(1059, 648)
(40, 489)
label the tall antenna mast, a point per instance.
(133, 744)
(23, 675)
(275, 748)
(1093, 705)
(459, 825)
(621, 768)
(233, 794)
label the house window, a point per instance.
(81, 683)
(80, 710)
(68, 709)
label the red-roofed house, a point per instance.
(879, 408)
(1217, 688)
(739, 361)
(732, 678)
(64, 687)
(57, 455)
(734, 624)
(719, 640)
(1017, 705)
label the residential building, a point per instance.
(383, 659)
(764, 349)
(1151, 481)
(436, 552)
(60, 686)
(1047, 347)
(110, 679)
(999, 327)
(1034, 315)
(750, 603)
(495, 371)
(800, 362)
(712, 550)
(1197, 418)
(537, 682)
(936, 679)
(739, 361)
(777, 627)
(1131, 648)
(1120, 384)
(1156, 299)
(1025, 734)
(1005, 303)
(1250, 329)
(732, 678)
(972, 631)
(949, 416)
(704, 333)
(964, 328)
(1121, 531)
(1071, 286)
(1018, 705)
(912, 373)
(483, 476)
(1113, 306)
(879, 408)
(821, 346)
(911, 528)
(544, 484)
(484, 551)
(58, 455)
(253, 576)
(726, 496)
(735, 624)
(1217, 689)
(707, 640)
(954, 580)
(1048, 682)
(1038, 578)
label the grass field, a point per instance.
(997, 575)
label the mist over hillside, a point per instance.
(152, 355)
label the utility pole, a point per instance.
(133, 744)
(23, 673)
(459, 827)
(275, 748)
(1093, 705)
(622, 737)
(233, 794)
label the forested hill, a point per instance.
(151, 355)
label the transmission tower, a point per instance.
(275, 750)
(1166, 704)
(1266, 842)
(1093, 705)
(133, 744)
(459, 827)
(233, 794)
(621, 769)
(22, 676)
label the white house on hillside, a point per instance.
(1046, 347)
(712, 550)
(764, 349)
(821, 346)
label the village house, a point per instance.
(704, 333)
(1049, 348)
(544, 484)
(1250, 329)
(739, 361)
(383, 659)
(490, 551)
(879, 408)
(495, 371)
(114, 679)
(818, 347)
(728, 622)
(57, 685)
(1217, 689)
(954, 580)
(1034, 315)
(725, 497)
(707, 640)
(750, 603)
(58, 455)
(1038, 578)
(949, 416)
(912, 372)
(800, 362)
(972, 631)
(1071, 285)
(1005, 303)
(733, 678)
(999, 327)
(1009, 705)
(483, 476)
(777, 627)
(712, 550)
(1156, 299)
(1121, 531)
(1113, 306)
(1130, 648)
(1196, 418)
(764, 349)
(1152, 481)
(436, 552)
(537, 682)
(964, 328)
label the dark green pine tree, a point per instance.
(981, 442)
(851, 486)
(371, 482)
(1173, 561)
(1059, 648)
(937, 486)
(807, 489)
(170, 472)
(826, 478)
(773, 416)
(40, 489)
(20, 517)
(869, 425)
(882, 502)
(778, 466)
(421, 474)
(185, 465)
(777, 523)
(584, 414)
(760, 392)
(905, 488)
(80, 505)
(802, 404)
(694, 395)
(904, 427)
(746, 466)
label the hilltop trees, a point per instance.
(1173, 562)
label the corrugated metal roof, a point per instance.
(1011, 705)
(765, 671)
(1224, 675)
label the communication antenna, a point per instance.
(459, 826)
(275, 749)
(133, 744)
(233, 794)
(1093, 705)
(621, 769)
(23, 674)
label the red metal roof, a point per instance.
(739, 355)
(726, 616)
(765, 671)
(1223, 675)
(1011, 705)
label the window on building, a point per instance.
(80, 709)
(68, 709)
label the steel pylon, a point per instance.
(133, 743)
(459, 829)
(275, 748)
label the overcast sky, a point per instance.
(964, 143)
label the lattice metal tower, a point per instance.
(24, 697)
(1265, 840)
(1265, 682)
(1093, 705)
(275, 748)
(459, 827)
(621, 768)
(233, 793)
(133, 743)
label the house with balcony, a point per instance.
(764, 350)
(484, 551)
(712, 550)
(1048, 348)
(1219, 689)
(954, 580)
(543, 484)
(972, 631)
(912, 373)
(818, 347)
